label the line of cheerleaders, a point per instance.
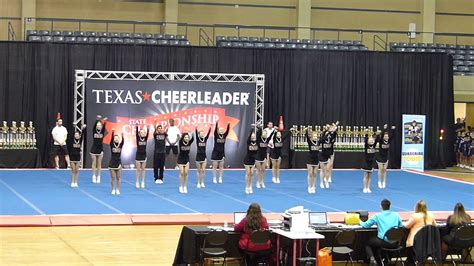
(321, 155)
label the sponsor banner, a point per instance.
(132, 104)
(413, 142)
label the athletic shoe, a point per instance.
(250, 190)
(180, 189)
(160, 181)
(321, 185)
(258, 184)
(330, 179)
(247, 190)
(72, 184)
(368, 190)
(143, 185)
(117, 192)
(262, 184)
(202, 185)
(199, 185)
(76, 185)
(113, 191)
(380, 184)
(185, 190)
(383, 184)
(220, 180)
(326, 184)
(137, 185)
(310, 190)
(278, 180)
(176, 168)
(274, 180)
(98, 179)
(94, 179)
(364, 190)
(214, 180)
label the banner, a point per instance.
(129, 104)
(413, 142)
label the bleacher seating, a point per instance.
(92, 37)
(463, 55)
(283, 43)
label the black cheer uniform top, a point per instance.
(140, 155)
(97, 138)
(116, 153)
(184, 148)
(75, 152)
(201, 146)
(313, 147)
(218, 152)
(252, 149)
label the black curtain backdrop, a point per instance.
(305, 87)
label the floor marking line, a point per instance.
(25, 200)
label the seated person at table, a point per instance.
(384, 220)
(420, 218)
(252, 222)
(454, 221)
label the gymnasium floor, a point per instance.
(47, 192)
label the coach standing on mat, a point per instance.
(59, 134)
(172, 141)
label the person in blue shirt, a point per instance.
(384, 220)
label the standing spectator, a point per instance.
(59, 134)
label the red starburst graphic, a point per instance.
(146, 96)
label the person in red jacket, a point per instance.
(252, 222)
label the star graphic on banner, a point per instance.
(146, 96)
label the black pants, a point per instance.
(158, 164)
(373, 246)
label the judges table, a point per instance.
(192, 238)
(296, 236)
(20, 158)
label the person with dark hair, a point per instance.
(261, 156)
(76, 155)
(382, 157)
(115, 165)
(454, 221)
(278, 141)
(97, 152)
(160, 136)
(140, 156)
(218, 151)
(384, 220)
(418, 220)
(253, 221)
(201, 160)
(249, 161)
(183, 161)
(327, 139)
(59, 134)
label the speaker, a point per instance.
(363, 215)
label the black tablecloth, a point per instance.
(298, 159)
(28, 158)
(192, 238)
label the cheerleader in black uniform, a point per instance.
(382, 156)
(260, 159)
(249, 161)
(369, 154)
(201, 160)
(115, 165)
(140, 156)
(75, 155)
(327, 140)
(278, 140)
(218, 152)
(183, 161)
(331, 158)
(97, 153)
(313, 160)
